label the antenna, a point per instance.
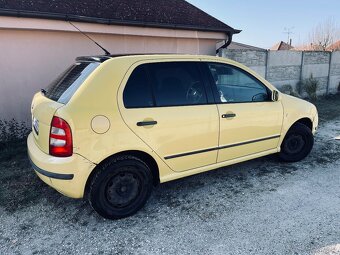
(106, 52)
(288, 31)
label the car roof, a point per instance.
(103, 58)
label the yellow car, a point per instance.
(111, 127)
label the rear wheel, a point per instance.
(297, 144)
(121, 187)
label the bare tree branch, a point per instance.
(324, 34)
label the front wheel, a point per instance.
(297, 144)
(121, 187)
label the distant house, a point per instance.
(307, 47)
(241, 46)
(333, 47)
(38, 42)
(282, 46)
(315, 47)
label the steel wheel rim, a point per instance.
(123, 189)
(294, 144)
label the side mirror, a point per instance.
(275, 96)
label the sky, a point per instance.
(263, 22)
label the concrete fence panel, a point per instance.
(291, 67)
(334, 75)
(317, 64)
(253, 59)
(284, 68)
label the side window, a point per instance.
(177, 83)
(236, 86)
(137, 92)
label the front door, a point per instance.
(250, 122)
(167, 106)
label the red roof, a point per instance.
(334, 46)
(282, 46)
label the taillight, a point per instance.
(60, 138)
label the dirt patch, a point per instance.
(328, 107)
(20, 187)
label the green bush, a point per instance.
(288, 89)
(310, 86)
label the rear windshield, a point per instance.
(63, 88)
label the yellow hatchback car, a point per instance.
(111, 127)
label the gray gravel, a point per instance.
(258, 207)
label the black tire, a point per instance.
(121, 187)
(297, 143)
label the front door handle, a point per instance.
(228, 115)
(146, 123)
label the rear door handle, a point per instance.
(228, 115)
(146, 123)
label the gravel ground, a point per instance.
(258, 207)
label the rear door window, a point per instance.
(64, 87)
(138, 93)
(177, 84)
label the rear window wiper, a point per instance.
(43, 91)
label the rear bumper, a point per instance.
(50, 174)
(66, 175)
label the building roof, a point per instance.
(304, 47)
(241, 46)
(334, 46)
(282, 46)
(162, 13)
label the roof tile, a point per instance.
(163, 13)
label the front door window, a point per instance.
(235, 86)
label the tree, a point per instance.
(324, 34)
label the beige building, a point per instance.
(37, 41)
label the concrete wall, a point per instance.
(256, 60)
(317, 64)
(334, 82)
(284, 67)
(291, 67)
(35, 51)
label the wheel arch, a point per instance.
(304, 121)
(302, 124)
(147, 158)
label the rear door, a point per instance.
(250, 122)
(55, 96)
(168, 106)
